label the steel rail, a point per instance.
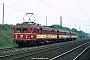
(81, 53)
(29, 53)
(45, 47)
(69, 51)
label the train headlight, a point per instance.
(16, 37)
(26, 37)
(21, 35)
(31, 36)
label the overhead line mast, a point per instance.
(46, 20)
(3, 15)
(61, 22)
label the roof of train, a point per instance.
(41, 26)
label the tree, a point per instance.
(74, 30)
(56, 26)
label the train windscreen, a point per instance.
(18, 30)
(24, 30)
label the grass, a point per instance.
(6, 37)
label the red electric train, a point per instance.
(30, 33)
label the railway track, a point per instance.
(13, 53)
(6, 51)
(29, 53)
(74, 53)
(53, 53)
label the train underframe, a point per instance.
(22, 43)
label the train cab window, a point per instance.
(24, 30)
(18, 30)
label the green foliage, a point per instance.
(6, 36)
(65, 28)
(56, 26)
(81, 34)
(6, 27)
(74, 30)
(60, 27)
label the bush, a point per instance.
(6, 36)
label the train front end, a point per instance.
(22, 35)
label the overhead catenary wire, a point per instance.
(71, 19)
(42, 13)
(79, 6)
(29, 8)
(24, 11)
(33, 10)
(18, 9)
(57, 7)
(56, 10)
(83, 10)
(13, 8)
(53, 8)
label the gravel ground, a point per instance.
(48, 55)
(62, 47)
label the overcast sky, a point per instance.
(75, 13)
